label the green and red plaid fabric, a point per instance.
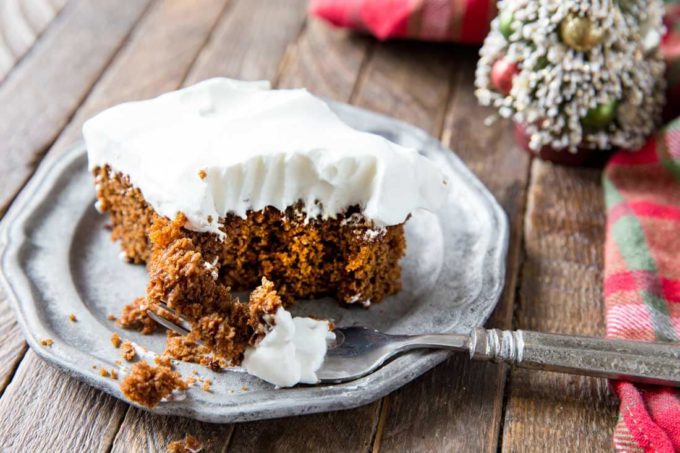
(642, 279)
(642, 263)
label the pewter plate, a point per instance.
(58, 259)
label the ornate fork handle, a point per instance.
(652, 363)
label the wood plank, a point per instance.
(251, 41)
(12, 347)
(326, 61)
(21, 22)
(56, 414)
(156, 59)
(39, 14)
(409, 81)
(343, 431)
(561, 291)
(458, 406)
(42, 93)
(144, 431)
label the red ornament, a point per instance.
(502, 73)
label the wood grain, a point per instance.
(459, 405)
(61, 414)
(326, 61)
(344, 431)
(251, 40)
(42, 93)
(12, 346)
(145, 432)
(156, 59)
(409, 81)
(21, 23)
(561, 291)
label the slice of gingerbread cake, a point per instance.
(219, 185)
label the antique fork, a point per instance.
(359, 351)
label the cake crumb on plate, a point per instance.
(128, 350)
(163, 360)
(72, 317)
(47, 342)
(134, 316)
(115, 340)
(148, 385)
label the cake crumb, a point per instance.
(190, 380)
(47, 342)
(114, 374)
(202, 174)
(103, 372)
(118, 362)
(72, 318)
(134, 316)
(189, 444)
(128, 350)
(111, 317)
(206, 385)
(115, 340)
(244, 388)
(163, 360)
(148, 385)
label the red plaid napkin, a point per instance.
(642, 263)
(465, 21)
(642, 191)
(642, 279)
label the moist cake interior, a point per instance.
(346, 257)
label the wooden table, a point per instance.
(97, 53)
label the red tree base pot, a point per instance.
(584, 157)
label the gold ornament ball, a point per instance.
(580, 33)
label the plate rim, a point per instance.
(390, 377)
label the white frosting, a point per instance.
(258, 147)
(291, 352)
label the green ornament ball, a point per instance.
(601, 115)
(505, 23)
(541, 63)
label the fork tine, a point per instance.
(167, 323)
(172, 311)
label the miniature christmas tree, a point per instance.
(575, 74)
